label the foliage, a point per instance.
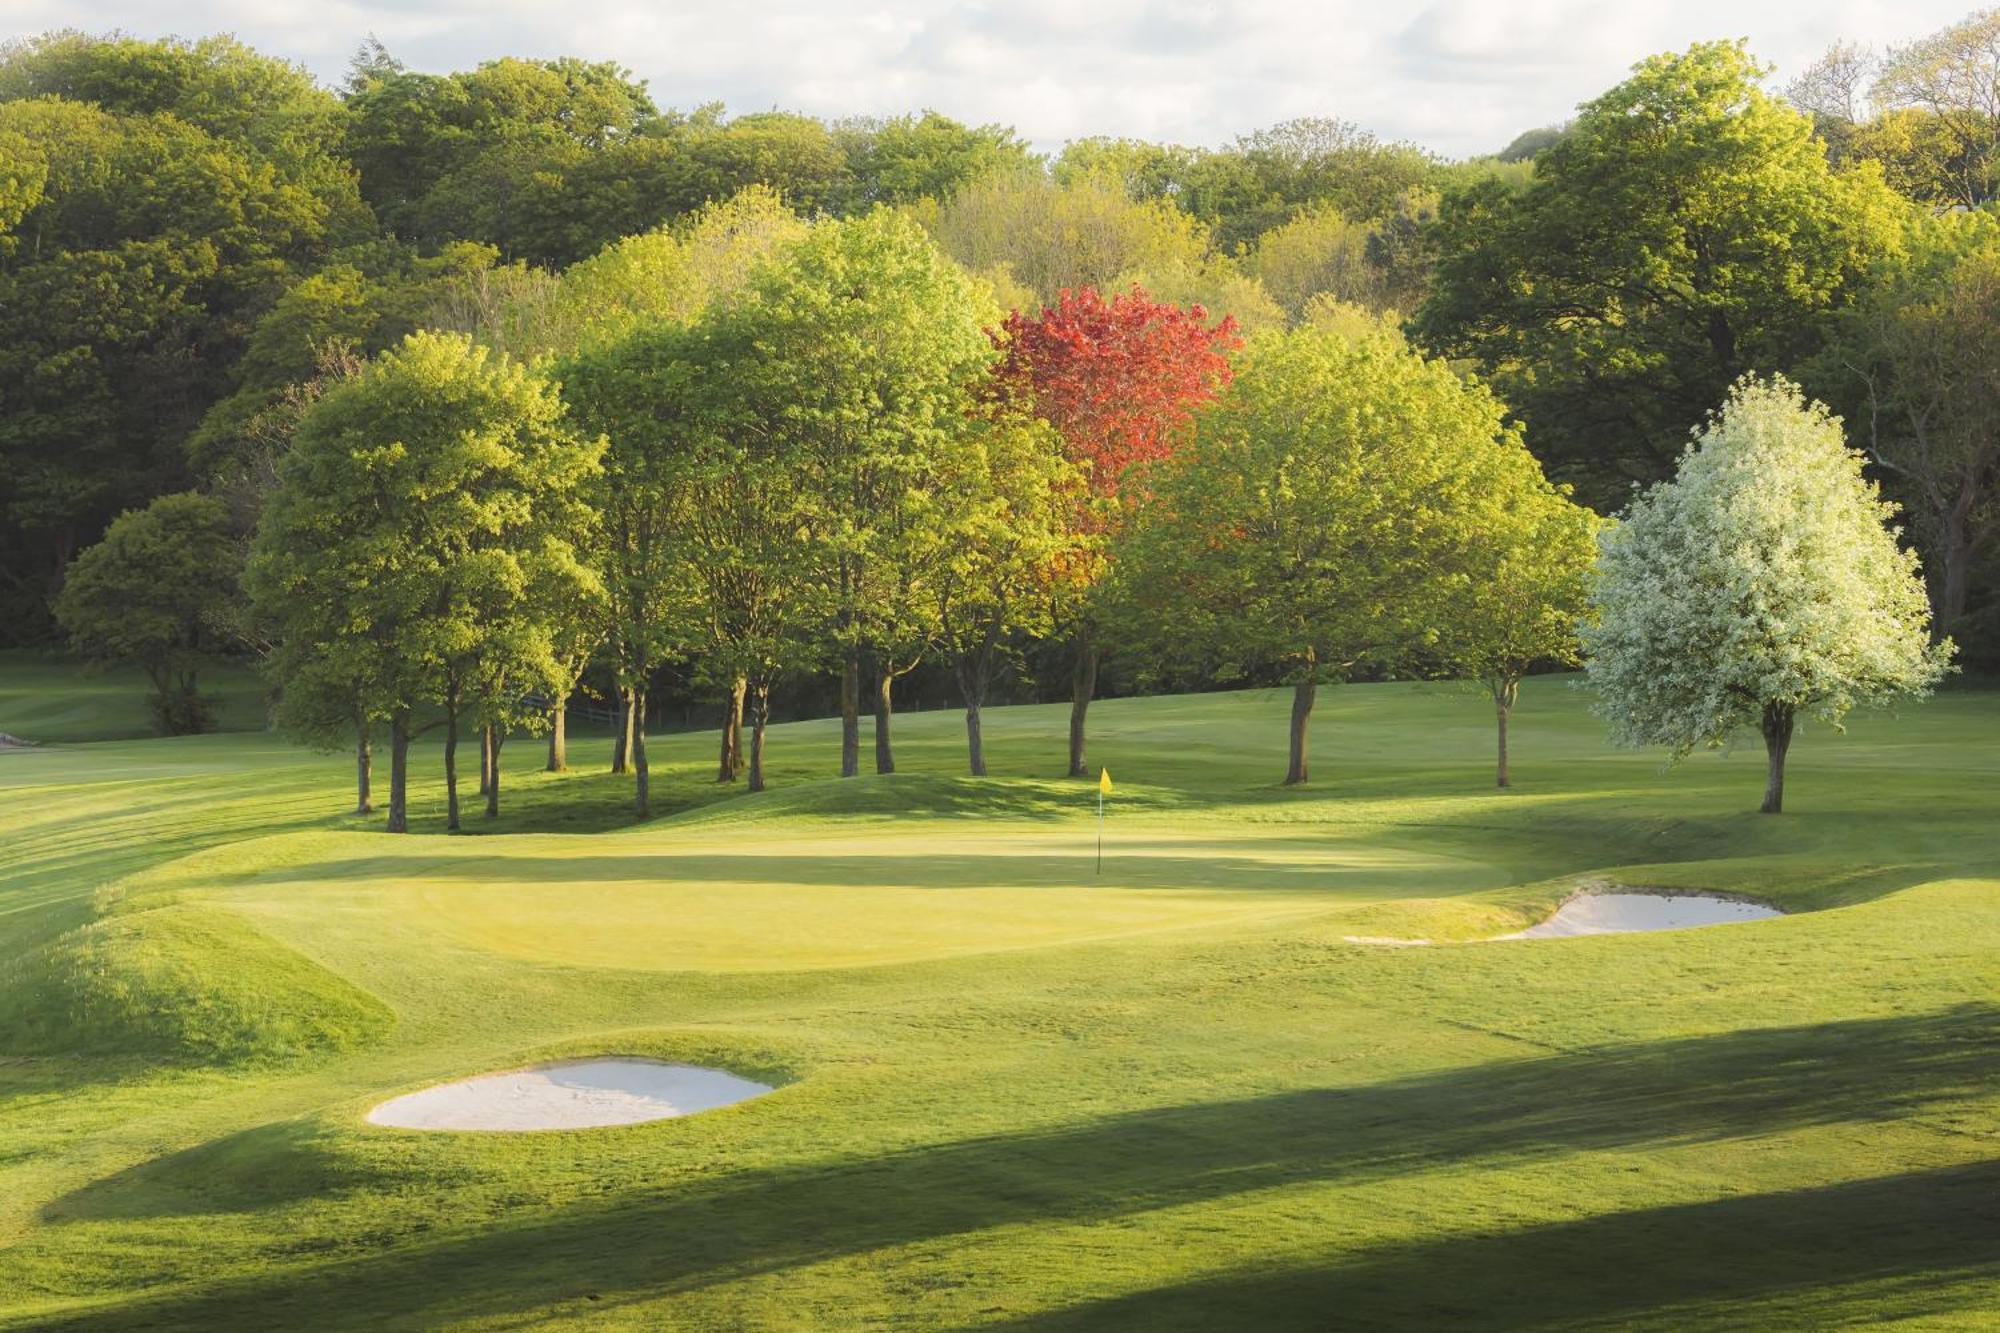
(1688, 228)
(869, 348)
(1053, 237)
(671, 274)
(150, 593)
(1318, 253)
(1953, 76)
(1760, 584)
(1120, 379)
(1924, 344)
(427, 515)
(141, 232)
(903, 159)
(1326, 517)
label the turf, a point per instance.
(1016, 1091)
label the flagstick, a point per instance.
(1100, 830)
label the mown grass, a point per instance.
(1016, 1091)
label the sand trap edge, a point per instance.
(724, 1088)
(1604, 889)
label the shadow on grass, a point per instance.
(925, 870)
(1825, 1256)
(266, 1167)
(1690, 1091)
(590, 802)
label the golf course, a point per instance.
(1193, 1089)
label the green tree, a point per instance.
(1049, 237)
(1318, 253)
(1924, 344)
(140, 250)
(1761, 584)
(861, 352)
(638, 396)
(440, 157)
(1324, 520)
(427, 507)
(906, 158)
(1527, 589)
(147, 594)
(1953, 77)
(1687, 229)
(670, 274)
(365, 302)
(1012, 535)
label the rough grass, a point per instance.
(45, 698)
(1016, 1091)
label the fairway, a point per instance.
(1012, 1090)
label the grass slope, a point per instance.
(1017, 1092)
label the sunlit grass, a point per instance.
(1016, 1090)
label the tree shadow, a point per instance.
(1517, 1112)
(927, 870)
(269, 1166)
(1805, 1258)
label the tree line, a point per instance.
(203, 255)
(846, 459)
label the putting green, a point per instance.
(665, 903)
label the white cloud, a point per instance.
(1460, 76)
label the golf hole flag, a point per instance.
(1103, 790)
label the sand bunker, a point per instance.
(569, 1094)
(1597, 913)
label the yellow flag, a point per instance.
(1104, 780)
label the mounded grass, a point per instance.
(1016, 1091)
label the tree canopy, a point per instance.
(1686, 230)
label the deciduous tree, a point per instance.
(151, 593)
(1763, 583)
(1120, 380)
(1326, 517)
(1925, 345)
(1687, 229)
(426, 504)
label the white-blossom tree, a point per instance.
(1763, 582)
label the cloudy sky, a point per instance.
(1460, 76)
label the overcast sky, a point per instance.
(1459, 76)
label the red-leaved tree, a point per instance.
(1120, 379)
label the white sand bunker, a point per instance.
(1596, 913)
(569, 1094)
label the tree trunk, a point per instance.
(885, 754)
(559, 736)
(451, 762)
(1082, 686)
(399, 772)
(1778, 720)
(1302, 707)
(1505, 692)
(496, 739)
(974, 671)
(623, 735)
(642, 793)
(760, 712)
(364, 764)
(1955, 575)
(850, 711)
(485, 757)
(975, 743)
(730, 761)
